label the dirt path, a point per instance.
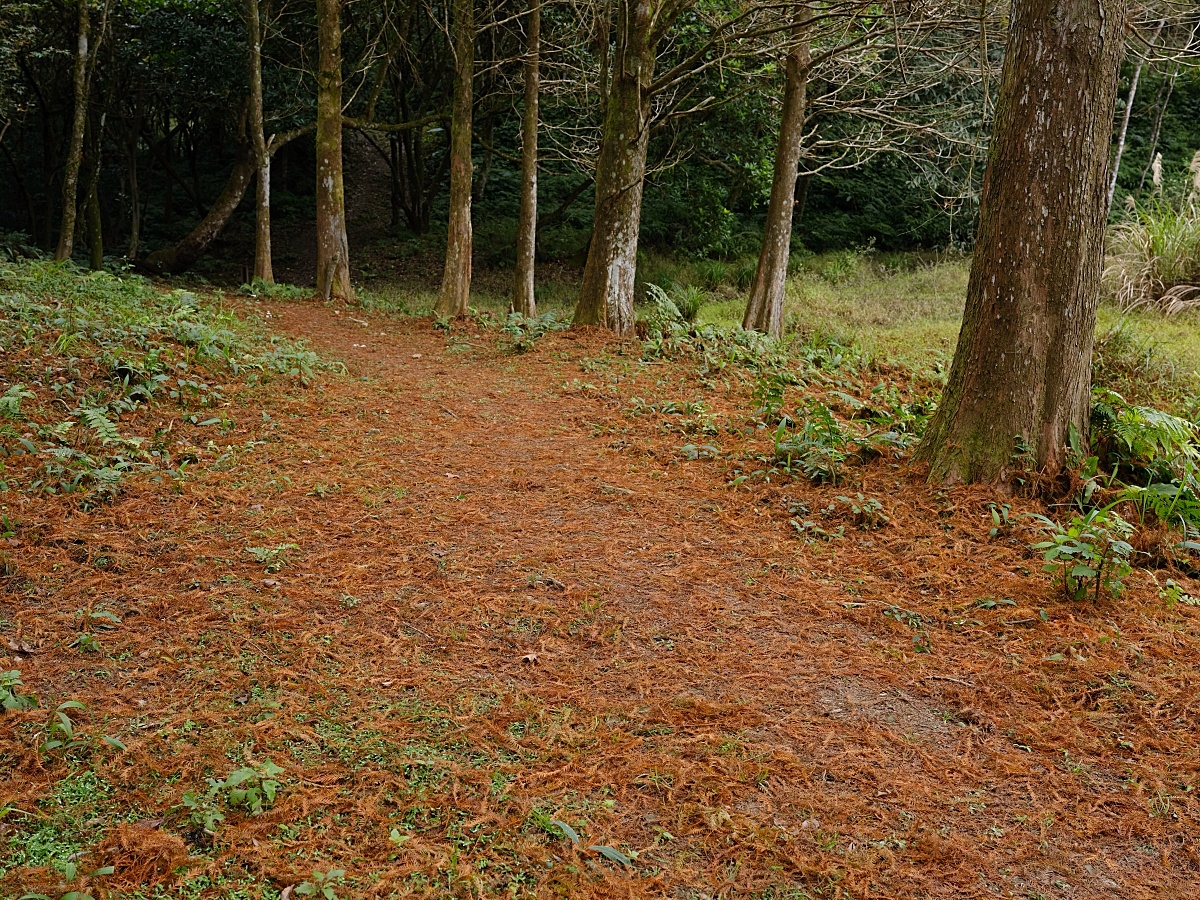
(511, 601)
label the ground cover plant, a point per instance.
(471, 619)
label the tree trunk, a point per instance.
(1021, 375)
(333, 246)
(1133, 86)
(523, 299)
(607, 292)
(178, 259)
(94, 225)
(135, 201)
(258, 141)
(456, 278)
(454, 297)
(1165, 92)
(764, 309)
(70, 186)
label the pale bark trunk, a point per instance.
(70, 186)
(263, 270)
(454, 297)
(607, 292)
(1133, 86)
(333, 246)
(178, 259)
(1022, 371)
(1159, 112)
(764, 309)
(523, 298)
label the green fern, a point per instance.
(1141, 436)
(95, 419)
(10, 400)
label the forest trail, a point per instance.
(457, 593)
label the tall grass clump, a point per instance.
(1154, 254)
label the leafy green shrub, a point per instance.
(1090, 552)
(820, 448)
(524, 332)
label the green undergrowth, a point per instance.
(87, 356)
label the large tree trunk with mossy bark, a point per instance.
(1022, 370)
(333, 245)
(454, 297)
(523, 297)
(764, 309)
(74, 162)
(607, 292)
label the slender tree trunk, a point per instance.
(70, 185)
(1021, 375)
(607, 292)
(764, 309)
(135, 208)
(486, 129)
(523, 299)
(456, 279)
(94, 225)
(262, 159)
(1160, 111)
(1133, 86)
(333, 246)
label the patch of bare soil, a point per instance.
(459, 594)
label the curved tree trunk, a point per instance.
(333, 246)
(764, 309)
(70, 185)
(607, 292)
(178, 259)
(523, 299)
(1022, 370)
(263, 270)
(454, 296)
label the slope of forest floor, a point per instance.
(458, 598)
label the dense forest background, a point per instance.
(166, 123)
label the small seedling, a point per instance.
(60, 733)
(1173, 593)
(867, 511)
(1000, 519)
(10, 697)
(322, 884)
(86, 643)
(274, 558)
(253, 789)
